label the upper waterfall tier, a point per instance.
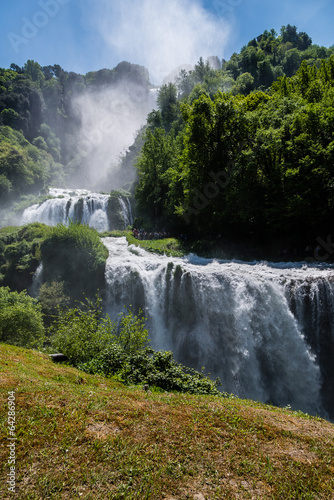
(265, 329)
(97, 210)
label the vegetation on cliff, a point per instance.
(76, 255)
(244, 166)
(20, 254)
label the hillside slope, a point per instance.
(81, 436)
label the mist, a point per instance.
(110, 119)
(162, 37)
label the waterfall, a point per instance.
(37, 281)
(89, 208)
(260, 327)
(126, 211)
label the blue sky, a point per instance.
(87, 35)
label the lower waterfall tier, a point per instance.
(266, 330)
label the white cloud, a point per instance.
(160, 35)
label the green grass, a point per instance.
(114, 234)
(168, 246)
(84, 436)
(171, 247)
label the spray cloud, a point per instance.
(162, 35)
(157, 35)
(110, 118)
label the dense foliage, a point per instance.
(20, 254)
(256, 166)
(95, 344)
(84, 332)
(21, 321)
(39, 126)
(156, 369)
(259, 63)
(75, 255)
(24, 167)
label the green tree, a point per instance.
(40, 143)
(215, 130)
(158, 158)
(53, 299)
(21, 319)
(244, 84)
(167, 103)
(82, 333)
(291, 62)
(248, 60)
(10, 117)
(289, 34)
(34, 71)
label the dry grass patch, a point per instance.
(83, 436)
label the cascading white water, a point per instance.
(37, 281)
(126, 211)
(89, 208)
(236, 319)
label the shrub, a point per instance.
(146, 366)
(132, 335)
(156, 369)
(52, 299)
(82, 333)
(21, 320)
(94, 344)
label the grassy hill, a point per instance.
(82, 436)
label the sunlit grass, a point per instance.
(172, 247)
(83, 436)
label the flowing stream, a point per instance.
(265, 329)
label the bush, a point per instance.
(94, 344)
(156, 369)
(82, 333)
(132, 335)
(52, 299)
(76, 255)
(21, 319)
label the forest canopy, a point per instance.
(238, 154)
(39, 126)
